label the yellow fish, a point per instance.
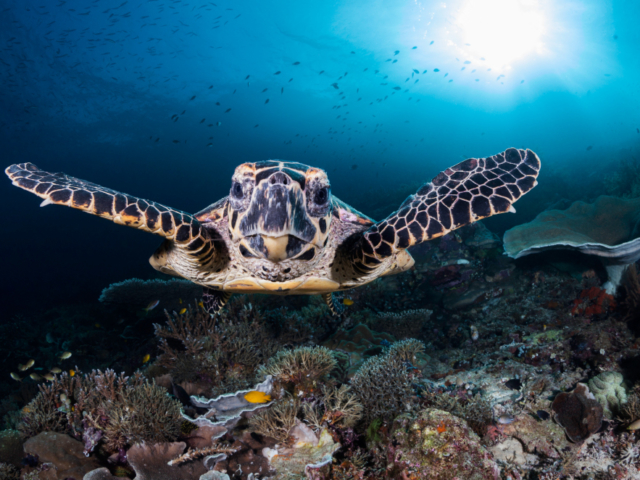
(56, 370)
(15, 377)
(146, 358)
(72, 373)
(35, 376)
(182, 311)
(65, 355)
(26, 366)
(49, 376)
(347, 301)
(200, 304)
(180, 300)
(257, 397)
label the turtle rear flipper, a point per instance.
(57, 188)
(465, 193)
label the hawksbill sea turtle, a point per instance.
(281, 231)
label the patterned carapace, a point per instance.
(281, 231)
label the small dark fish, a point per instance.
(543, 415)
(193, 98)
(266, 101)
(638, 130)
(296, 63)
(181, 394)
(210, 87)
(354, 166)
(30, 460)
(335, 85)
(436, 69)
(589, 147)
(431, 42)
(413, 48)
(183, 112)
(247, 78)
(227, 110)
(256, 125)
(513, 384)
(277, 73)
(396, 52)
(397, 88)
(264, 90)
(321, 72)
(176, 141)
(416, 71)
(202, 121)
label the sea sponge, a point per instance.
(300, 368)
(608, 390)
(578, 413)
(437, 445)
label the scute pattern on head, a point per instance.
(279, 210)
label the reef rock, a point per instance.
(11, 447)
(437, 445)
(608, 390)
(609, 229)
(65, 453)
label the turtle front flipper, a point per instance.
(57, 188)
(465, 193)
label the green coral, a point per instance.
(609, 392)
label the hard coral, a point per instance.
(125, 410)
(437, 445)
(338, 407)
(278, 420)
(578, 413)
(299, 369)
(608, 390)
(383, 386)
(219, 353)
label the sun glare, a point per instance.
(501, 31)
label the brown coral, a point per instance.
(115, 409)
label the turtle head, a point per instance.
(279, 210)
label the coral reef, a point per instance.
(301, 368)
(103, 408)
(606, 229)
(140, 293)
(578, 413)
(278, 421)
(608, 390)
(216, 354)
(8, 472)
(383, 386)
(437, 445)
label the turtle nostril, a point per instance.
(279, 178)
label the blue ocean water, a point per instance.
(162, 99)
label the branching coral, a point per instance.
(115, 410)
(278, 420)
(406, 350)
(299, 368)
(221, 353)
(194, 454)
(383, 386)
(338, 407)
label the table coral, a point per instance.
(609, 392)
(437, 445)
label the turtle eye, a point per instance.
(236, 190)
(321, 196)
